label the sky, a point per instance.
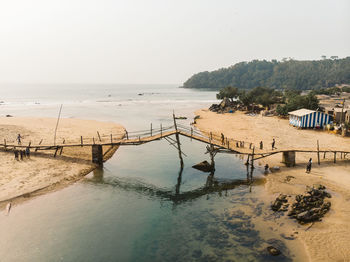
(160, 41)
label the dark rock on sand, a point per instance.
(311, 206)
(273, 251)
(279, 204)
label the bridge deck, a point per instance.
(230, 147)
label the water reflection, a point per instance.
(212, 185)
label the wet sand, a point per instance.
(42, 171)
(327, 240)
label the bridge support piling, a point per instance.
(97, 154)
(288, 158)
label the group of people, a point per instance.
(272, 144)
(20, 154)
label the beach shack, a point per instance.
(305, 118)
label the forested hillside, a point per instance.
(290, 74)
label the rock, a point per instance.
(203, 166)
(288, 178)
(273, 251)
(9, 116)
(277, 205)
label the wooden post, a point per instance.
(191, 133)
(226, 140)
(111, 139)
(211, 136)
(151, 129)
(139, 139)
(318, 152)
(324, 155)
(178, 142)
(81, 141)
(212, 155)
(93, 140)
(5, 144)
(161, 131)
(56, 151)
(341, 155)
(36, 149)
(97, 155)
(228, 144)
(252, 161)
(247, 163)
(127, 134)
(335, 157)
(62, 146)
(99, 137)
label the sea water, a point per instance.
(141, 206)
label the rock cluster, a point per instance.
(280, 204)
(226, 105)
(311, 206)
(306, 208)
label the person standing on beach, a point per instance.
(261, 145)
(16, 153)
(308, 166)
(273, 144)
(19, 139)
(222, 139)
(27, 152)
(21, 154)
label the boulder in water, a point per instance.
(204, 166)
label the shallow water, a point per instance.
(141, 206)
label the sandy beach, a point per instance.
(327, 240)
(42, 170)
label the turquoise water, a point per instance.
(141, 206)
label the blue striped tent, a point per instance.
(305, 118)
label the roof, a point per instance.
(339, 109)
(301, 112)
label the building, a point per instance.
(347, 116)
(305, 118)
(339, 114)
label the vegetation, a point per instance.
(285, 74)
(288, 101)
(295, 101)
(229, 92)
(259, 95)
(333, 90)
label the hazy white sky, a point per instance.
(160, 41)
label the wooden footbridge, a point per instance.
(217, 144)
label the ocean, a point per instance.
(139, 206)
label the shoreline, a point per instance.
(326, 240)
(42, 173)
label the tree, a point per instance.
(286, 74)
(229, 92)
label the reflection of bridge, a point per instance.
(212, 185)
(217, 144)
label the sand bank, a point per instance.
(42, 170)
(324, 241)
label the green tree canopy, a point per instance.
(286, 74)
